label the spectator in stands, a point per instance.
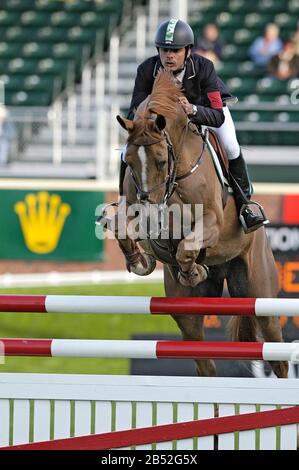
(295, 39)
(207, 53)
(285, 65)
(7, 134)
(265, 47)
(209, 43)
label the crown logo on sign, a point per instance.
(42, 217)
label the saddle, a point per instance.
(220, 161)
(220, 152)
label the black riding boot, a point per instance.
(241, 185)
(122, 172)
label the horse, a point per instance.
(169, 163)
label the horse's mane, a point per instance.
(163, 100)
(164, 96)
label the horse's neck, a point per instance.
(187, 153)
(187, 146)
(178, 131)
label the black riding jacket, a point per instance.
(201, 86)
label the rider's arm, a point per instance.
(212, 114)
(142, 88)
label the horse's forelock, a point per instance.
(163, 100)
(144, 129)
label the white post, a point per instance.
(113, 108)
(153, 19)
(102, 153)
(57, 133)
(2, 92)
(72, 118)
(86, 95)
(113, 65)
(179, 9)
(114, 141)
(140, 36)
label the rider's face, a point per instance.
(172, 59)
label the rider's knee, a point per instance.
(232, 149)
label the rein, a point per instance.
(195, 166)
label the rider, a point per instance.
(204, 102)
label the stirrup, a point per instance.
(262, 214)
(103, 220)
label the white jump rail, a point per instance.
(77, 405)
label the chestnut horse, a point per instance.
(169, 163)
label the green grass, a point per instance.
(76, 326)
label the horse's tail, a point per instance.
(242, 328)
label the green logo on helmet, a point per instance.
(170, 30)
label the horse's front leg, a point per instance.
(203, 235)
(138, 262)
(190, 273)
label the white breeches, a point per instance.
(227, 135)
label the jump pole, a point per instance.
(132, 349)
(149, 305)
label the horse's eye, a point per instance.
(161, 164)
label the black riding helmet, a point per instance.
(174, 34)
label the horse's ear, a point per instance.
(127, 124)
(160, 122)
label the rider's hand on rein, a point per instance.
(187, 107)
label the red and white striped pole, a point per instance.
(132, 349)
(149, 305)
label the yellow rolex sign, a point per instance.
(42, 217)
(50, 225)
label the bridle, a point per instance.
(170, 182)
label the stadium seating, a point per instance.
(45, 43)
(240, 22)
(51, 40)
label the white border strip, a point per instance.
(87, 185)
(55, 278)
(58, 184)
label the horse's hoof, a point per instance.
(192, 278)
(145, 265)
